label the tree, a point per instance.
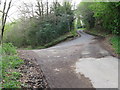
(86, 14)
(4, 16)
(26, 10)
(47, 8)
(107, 15)
(104, 16)
(49, 22)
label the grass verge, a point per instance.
(62, 38)
(9, 66)
(114, 40)
(58, 40)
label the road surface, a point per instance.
(79, 63)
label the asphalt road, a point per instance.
(79, 63)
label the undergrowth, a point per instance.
(115, 41)
(9, 66)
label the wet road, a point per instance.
(79, 63)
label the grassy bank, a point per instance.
(114, 40)
(62, 38)
(9, 66)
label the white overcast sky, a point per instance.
(13, 13)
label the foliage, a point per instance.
(8, 49)
(115, 41)
(60, 39)
(79, 25)
(86, 14)
(38, 31)
(9, 63)
(102, 15)
(108, 15)
(107, 19)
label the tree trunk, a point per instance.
(4, 18)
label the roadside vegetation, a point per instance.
(112, 39)
(62, 38)
(101, 18)
(9, 66)
(42, 28)
(48, 24)
(115, 41)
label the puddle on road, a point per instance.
(103, 72)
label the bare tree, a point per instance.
(40, 7)
(47, 8)
(26, 10)
(4, 16)
(39, 13)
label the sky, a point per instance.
(13, 13)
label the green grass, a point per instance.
(82, 29)
(60, 39)
(9, 64)
(115, 41)
(98, 32)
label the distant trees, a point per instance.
(101, 14)
(86, 14)
(79, 24)
(49, 22)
